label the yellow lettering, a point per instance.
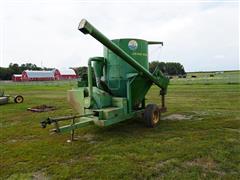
(139, 54)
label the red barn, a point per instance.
(67, 74)
(17, 77)
(57, 74)
(38, 75)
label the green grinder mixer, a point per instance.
(122, 81)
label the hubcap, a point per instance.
(19, 99)
(155, 117)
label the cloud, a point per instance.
(219, 56)
(46, 31)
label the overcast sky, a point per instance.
(201, 35)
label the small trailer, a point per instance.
(4, 99)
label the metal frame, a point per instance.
(127, 106)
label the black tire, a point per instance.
(18, 99)
(152, 115)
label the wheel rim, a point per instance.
(19, 99)
(155, 117)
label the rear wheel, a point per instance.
(152, 115)
(18, 99)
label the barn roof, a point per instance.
(17, 75)
(40, 74)
(67, 72)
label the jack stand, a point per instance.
(72, 131)
(163, 108)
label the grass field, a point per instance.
(198, 138)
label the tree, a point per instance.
(5, 73)
(170, 68)
(81, 71)
(14, 68)
(29, 66)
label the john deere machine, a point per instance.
(122, 82)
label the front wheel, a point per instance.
(151, 115)
(18, 99)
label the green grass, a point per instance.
(205, 146)
(231, 77)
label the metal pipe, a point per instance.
(98, 65)
(50, 120)
(86, 28)
(155, 42)
(90, 83)
(90, 86)
(68, 117)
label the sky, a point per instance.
(201, 35)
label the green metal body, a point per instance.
(122, 79)
(117, 70)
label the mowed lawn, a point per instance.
(199, 136)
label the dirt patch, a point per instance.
(12, 141)
(233, 130)
(42, 108)
(200, 113)
(35, 176)
(166, 163)
(174, 140)
(177, 117)
(90, 138)
(207, 164)
(39, 176)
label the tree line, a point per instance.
(168, 68)
(14, 68)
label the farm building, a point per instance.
(54, 74)
(57, 74)
(37, 75)
(67, 74)
(17, 77)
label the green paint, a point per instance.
(122, 79)
(117, 70)
(86, 28)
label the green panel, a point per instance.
(98, 67)
(117, 69)
(139, 87)
(112, 112)
(101, 98)
(76, 99)
(121, 117)
(120, 102)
